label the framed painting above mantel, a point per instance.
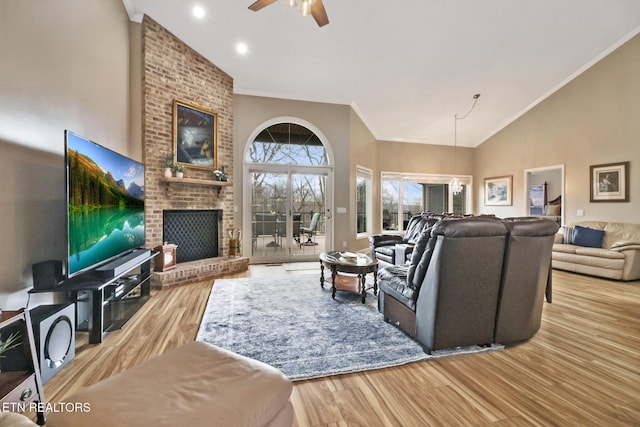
(195, 135)
(609, 182)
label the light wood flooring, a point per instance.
(581, 368)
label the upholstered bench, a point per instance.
(196, 384)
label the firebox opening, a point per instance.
(196, 232)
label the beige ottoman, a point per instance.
(196, 384)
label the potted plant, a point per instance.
(12, 342)
(179, 170)
(219, 175)
(168, 164)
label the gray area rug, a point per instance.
(293, 324)
(302, 266)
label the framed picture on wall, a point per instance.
(610, 182)
(497, 191)
(195, 135)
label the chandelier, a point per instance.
(455, 184)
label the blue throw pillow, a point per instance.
(583, 236)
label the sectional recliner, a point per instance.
(471, 281)
(394, 249)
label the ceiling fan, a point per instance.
(314, 8)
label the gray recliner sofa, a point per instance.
(525, 278)
(394, 249)
(450, 294)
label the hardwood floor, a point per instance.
(581, 368)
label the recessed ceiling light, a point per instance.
(242, 48)
(198, 11)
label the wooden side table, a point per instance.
(20, 383)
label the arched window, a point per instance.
(287, 198)
(288, 144)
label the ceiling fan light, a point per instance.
(305, 7)
(292, 3)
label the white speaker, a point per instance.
(55, 337)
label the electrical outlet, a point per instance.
(344, 243)
(580, 212)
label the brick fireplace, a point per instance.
(172, 70)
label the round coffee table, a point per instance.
(350, 263)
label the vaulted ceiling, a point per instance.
(407, 67)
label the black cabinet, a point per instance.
(106, 301)
(106, 305)
(20, 383)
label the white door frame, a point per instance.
(527, 174)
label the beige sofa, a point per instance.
(195, 384)
(618, 258)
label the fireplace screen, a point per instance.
(194, 231)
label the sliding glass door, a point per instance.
(289, 216)
(287, 196)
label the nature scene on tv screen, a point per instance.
(106, 203)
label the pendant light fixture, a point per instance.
(455, 184)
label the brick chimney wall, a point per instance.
(171, 69)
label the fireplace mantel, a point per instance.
(203, 182)
(209, 182)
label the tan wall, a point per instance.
(423, 158)
(251, 112)
(135, 89)
(65, 66)
(592, 120)
(363, 153)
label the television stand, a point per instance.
(106, 301)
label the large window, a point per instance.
(390, 202)
(404, 195)
(364, 210)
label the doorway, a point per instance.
(545, 192)
(287, 198)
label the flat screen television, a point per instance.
(105, 201)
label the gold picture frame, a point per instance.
(498, 191)
(609, 182)
(195, 135)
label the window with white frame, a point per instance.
(406, 194)
(364, 204)
(390, 201)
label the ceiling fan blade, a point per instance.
(319, 14)
(259, 4)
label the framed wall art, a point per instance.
(609, 182)
(195, 135)
(497, 191)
